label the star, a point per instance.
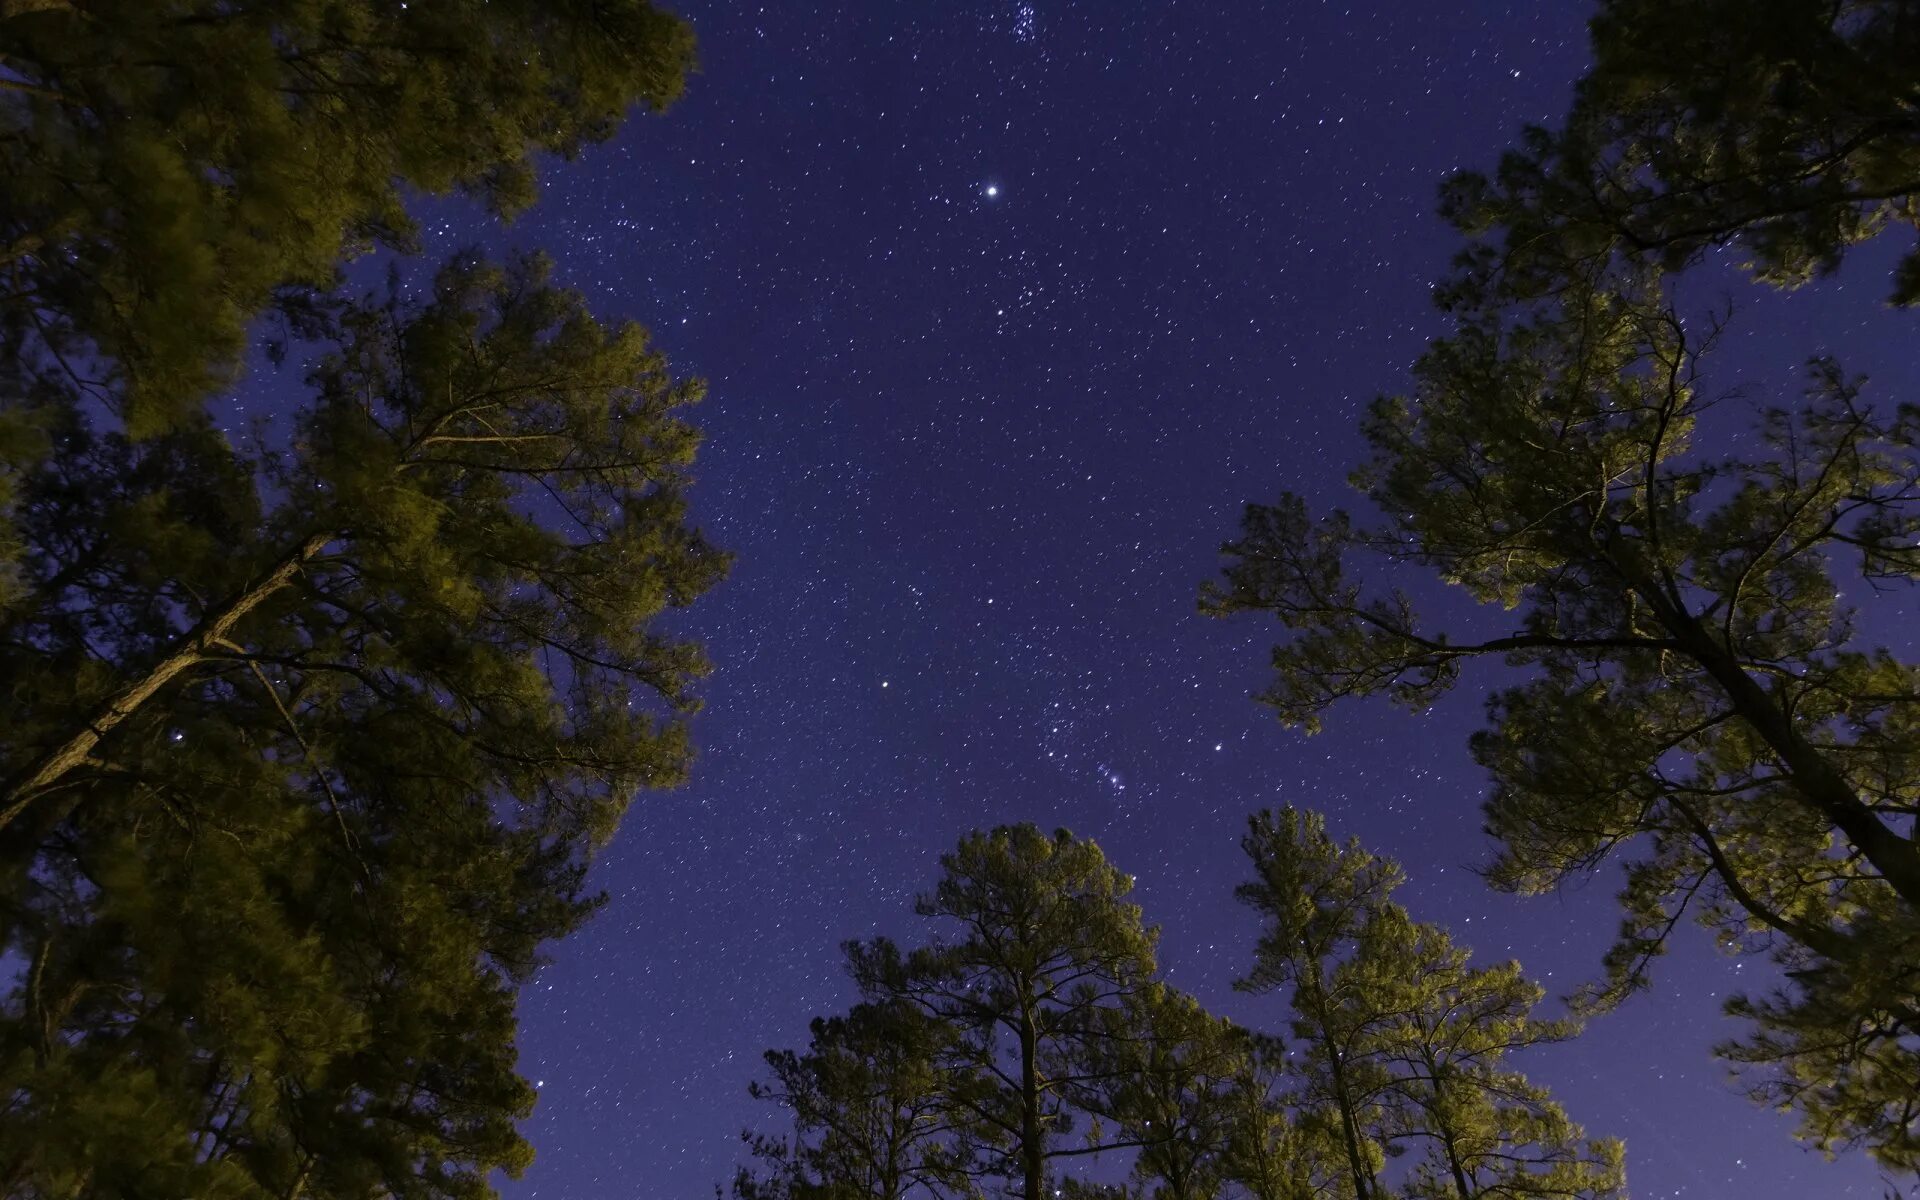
(993, 189)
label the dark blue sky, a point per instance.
(1006, 309)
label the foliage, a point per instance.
(1696, 682)
(1696, 688)
(975, 1055)
(1048, 950)
(871, 1112)
(1164, 1073)
(1486, 1129)
(1699, 695)
(977, 1058)
(1274, 1149)
(1314, 900)
(306, 752)
(170, 165)
(1402, 1043)
(1788, 127)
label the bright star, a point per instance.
(993, 189)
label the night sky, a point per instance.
(1007, 309)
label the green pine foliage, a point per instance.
(1314, 900)
(170, 165)
(1479, 1127)
(1165, 1072)
(1786, 128)
(1697, 697)
(1277, 1150)
(1400, 1044)
(308, 750)
(872, 1119)
(1047, 950)
(1012, 1019)
(1032, 1039)
(1695, 692)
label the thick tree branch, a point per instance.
(194, 648)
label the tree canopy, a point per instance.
(1032, 1036)
(1787, 128)
(1047, 951)
(1683, 569)
(169, 166)
(873, 1117)
(310, 733)
(1696, 694)
(307, 750)
(1400, 1043)
(1168, 1074)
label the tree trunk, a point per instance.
(299, 1186)
(1030, 1156)
(1362, 1178)
(1810, 772)
(1460, 1185)
(1363, 1183)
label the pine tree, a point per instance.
(1402, 1042)
(1697, 694)
(1785, 127)
(169, 166)
(1486, 1131)
(306, 752)
(1047, 951)
(873, 1114)
(1163, 1072)
(1701, 695)
(1274, 1149)
(1314, 898)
